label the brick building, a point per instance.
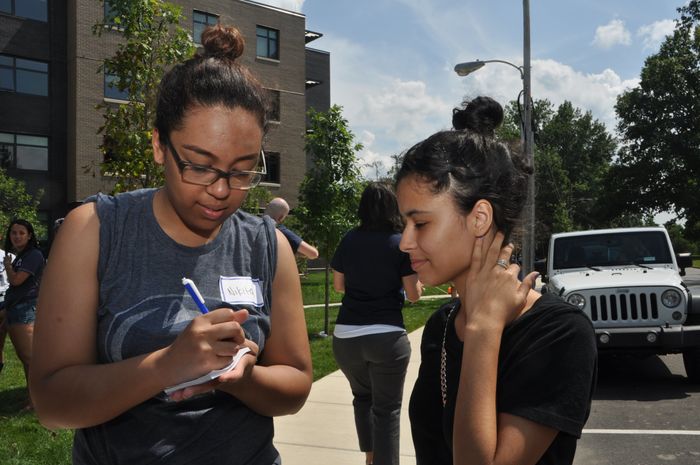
(49, 86)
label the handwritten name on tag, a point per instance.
(241, 290)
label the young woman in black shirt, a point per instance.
(506, 374)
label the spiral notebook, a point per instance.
(212, 374)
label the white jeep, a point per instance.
(628, 282)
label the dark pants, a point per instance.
(375, 366)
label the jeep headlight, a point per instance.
(671, 298)
(577, 300)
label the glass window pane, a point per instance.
(7, 79)
(32, 65)
(262, 47)
(34, 9)
(273, 167)
(111, 89)
(109, 13)
(6, 6)
(272, 34)
(39, 141)
(43, 217)
(273, 50)
(212, 20)
(7, 155)
(31, 82)
(5, 60)
(274, 110)
(197, 33)
(198, 17)
(32, 158)
(6, 137)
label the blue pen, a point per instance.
(196, 296)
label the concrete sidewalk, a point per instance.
(323, 432)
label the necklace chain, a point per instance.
(443, 360)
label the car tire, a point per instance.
(691, 361)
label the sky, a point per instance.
(392, 61)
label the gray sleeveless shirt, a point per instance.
(143, 306)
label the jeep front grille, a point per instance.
(624, 307)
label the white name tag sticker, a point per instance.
(241, 290)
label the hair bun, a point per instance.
(482, 115)
(222, 42)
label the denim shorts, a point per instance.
(23, 313)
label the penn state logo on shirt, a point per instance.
(241, 290)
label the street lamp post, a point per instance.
(469, 67)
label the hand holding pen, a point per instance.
(208, 343)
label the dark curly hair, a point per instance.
(471, 164)
(212, 77)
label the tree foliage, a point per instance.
(16, 202)
(256, 199)
(658, 168)
(329, 194)
(152, 41)
(573, 152)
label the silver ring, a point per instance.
(502, 262)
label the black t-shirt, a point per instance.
(373, 267)
(32, 261)
(294, 239)
(546, 373)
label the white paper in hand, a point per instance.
(212, 374)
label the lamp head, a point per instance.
(469, 67)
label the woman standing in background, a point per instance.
(370, 342)
(23, 274)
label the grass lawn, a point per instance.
(415, 316)
(25, 442)
(313, 288)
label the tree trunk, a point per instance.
(327, 296)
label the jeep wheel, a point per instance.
(691, 361)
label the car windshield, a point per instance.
(613, 249)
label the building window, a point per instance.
(200, 20)
(273, 111)
(268, 42)
(32, 9)
(24, 152)
(109, 13)
(272, 160)
(43, 217)
(24, 76)
(111, 89)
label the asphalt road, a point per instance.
(644, 411)
(692, 278)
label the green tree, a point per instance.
(573, 152)
(396, 161)
(586, 150)
(256, 199)
(329, 194)
(16, 202)
(152, 41)
(677, 234)
(658, 168)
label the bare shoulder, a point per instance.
(78, 237)
(81, 215)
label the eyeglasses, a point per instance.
(206, 176)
